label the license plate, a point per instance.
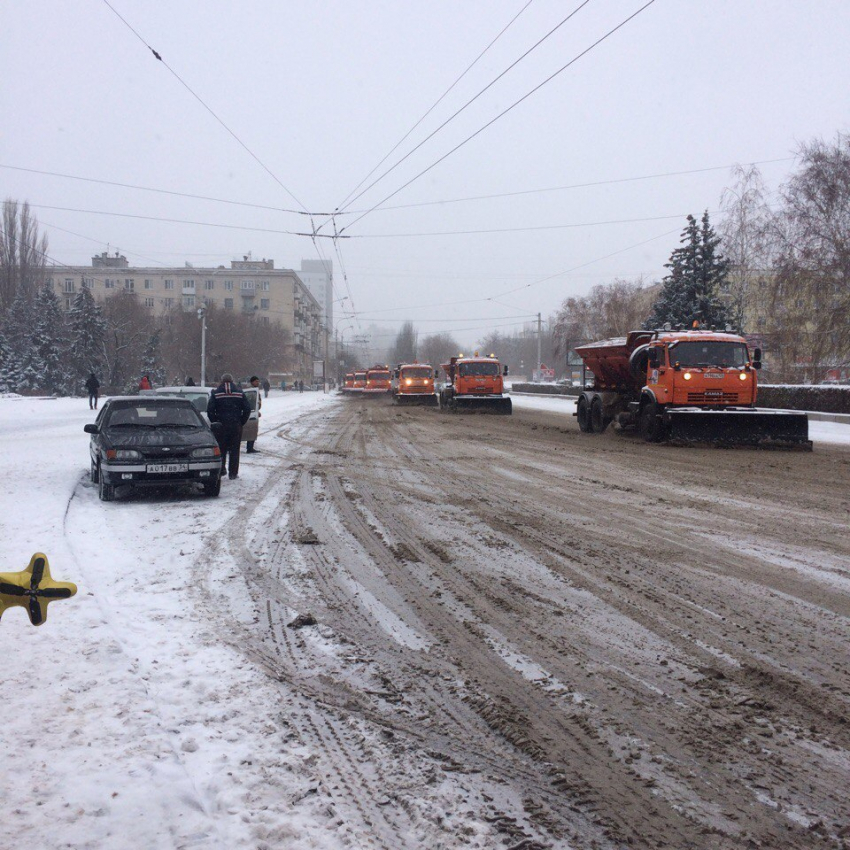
(168, 467)
(714, 375)
(714, 392)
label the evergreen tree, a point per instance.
(87, 333)
(404, 349)
(152, 360)
(697, 273)
(49, 343)
(5, 364)
(20, 372)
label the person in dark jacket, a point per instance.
(266, 387)
(229, 406)
(190, 381)
(93, 387)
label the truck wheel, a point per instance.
(583, 415)
(598, 422)
(651, 427)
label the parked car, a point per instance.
(199, 396)
(152, 441)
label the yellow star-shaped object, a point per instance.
(33, 589)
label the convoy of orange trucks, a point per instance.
(688, 386)
(474, 384)
(414, 384)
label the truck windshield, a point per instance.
(359, 376)
(475, 369)
(423, 372)
(706, 353)
(379, 376)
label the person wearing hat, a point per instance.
(229, 406)
(249, 444)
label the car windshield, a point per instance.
(705, 353)
(420, 372)
(476, 369)
(153, 415)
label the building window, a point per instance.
(148, 302)
(50, 282)
(247, 284)
(209, 284)
(148, 284)
(264, 285)
(88, 283)
(129, 284)
(188, 300)
(228, 303)
(69, 303)
(68, 285)
(169, 284)
(108, 283)
(264, 303)
(188, 284)
(228, 285)
(264, 319)
(168, 302)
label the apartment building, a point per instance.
(253, 287)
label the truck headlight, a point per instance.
(687, 376)
(209, 451)
(742, 376)
(408, 381)
(123, 454)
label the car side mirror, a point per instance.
(756, 364)
(91, 428)
(506, 370)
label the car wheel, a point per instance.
(213, 488)
(93, 473)
(106, 492)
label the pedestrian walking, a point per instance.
(301, 386)
(229, 406)
(249, 444)
(190, 381)
(93, 387)
(266, 386)
(145, 383)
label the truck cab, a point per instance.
(414, 384)
(359, 383)
(475, 383)
(378, 380)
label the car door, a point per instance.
(251, 429)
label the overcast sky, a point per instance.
(320, 92)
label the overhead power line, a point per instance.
(436, 103)
(473, 99)
(209, 109)
(505, 111)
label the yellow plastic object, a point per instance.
(33, 589)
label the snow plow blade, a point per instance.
(482, 404)
(421, 399)
(742, 427)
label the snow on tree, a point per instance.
(152, 365)
(49, 343)
(87, 333)
(5, 363)
(18, 323)
(697, 273)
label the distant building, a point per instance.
(318, 277)
(252, 287)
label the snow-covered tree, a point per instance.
(86, 336)
(152, 365)
(49, 343)
(404, 348)
(697, 274)
(18, 323)
(5, 363)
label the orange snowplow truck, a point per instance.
(378, 381)
(474, 384)
(695, 386)
(348, 383)
(359, 383)
(414, 384)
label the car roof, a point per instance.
(129, 400)
(181, 390)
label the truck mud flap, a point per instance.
(764, 428)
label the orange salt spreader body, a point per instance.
(686, 386)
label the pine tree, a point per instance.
(152, 360)
(87, 333)
(5, 363)
(49, 342)
(697, 272)
(20, 372)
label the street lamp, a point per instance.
(202, 315)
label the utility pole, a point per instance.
(327, 359)
(539, 342)
(202, 315)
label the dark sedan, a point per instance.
(152, 441)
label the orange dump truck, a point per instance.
(690, 386)
(474, 384)
(414, 384)
(379, 381)
(359, 383)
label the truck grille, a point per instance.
(712, 398)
